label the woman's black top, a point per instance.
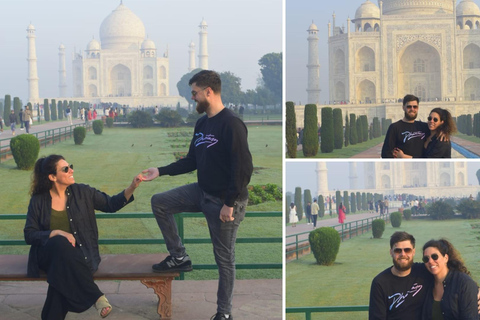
(438, 149)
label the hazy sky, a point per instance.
(299, 16)
(240, 32)
(302, 174)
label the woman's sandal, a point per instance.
(101, 305)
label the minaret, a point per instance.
(203, 50)
(62, 72)
(191, 55)
(353, 177)
(322, 178)
(313, 66)
(33, 96)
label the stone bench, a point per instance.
(112, 267)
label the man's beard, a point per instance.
(202, 106)
(402, 267)
(409, 117)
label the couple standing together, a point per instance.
(408, 138)
(62, 230)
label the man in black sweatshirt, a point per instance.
(220, 154)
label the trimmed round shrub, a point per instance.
(109, 122)
(407, 214)
(440, 210)
(97, 126)
(25, 149)
(378, 226)
(396, 219)
(79, 134)
(469, 209)
(140, 119)
(324, 243)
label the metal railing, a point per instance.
(309, 310)
(346, 231)
(180, 223)
(46, 137)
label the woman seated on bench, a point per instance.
(62, 231)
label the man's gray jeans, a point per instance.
(190, 198)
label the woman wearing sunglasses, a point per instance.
(62, 231)
(454, 294)
(437, 145)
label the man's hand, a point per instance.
(150, 174)
(226, 214)
(478, 300)
(442, 137)
(67, 235)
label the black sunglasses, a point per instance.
(414, 107)
(427, 258)
(434, 119)
(65, 169)
(399, 250)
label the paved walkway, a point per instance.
(131, 300)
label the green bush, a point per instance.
(353, 129)
(97, 126)
(310, 131)
(407, 213)
(169, 118)
(378, 226)
(291, 130)
(25, 149)
(324, 243)
(337, 128)
(109, 122)
(396, 219)
(140, 119)
(326, 132)
(469, 209)
(440, 210)
(79, 134)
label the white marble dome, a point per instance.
(93, 45)
(122, 29)
(367, 10)
(416, 7)
(468, 8)
(148, 44)
(313, 27)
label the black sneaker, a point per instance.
(171, 264)
(221, 316)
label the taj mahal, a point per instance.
(429, 48)
(426, 179)
(123, 66)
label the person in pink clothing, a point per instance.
(341, 213)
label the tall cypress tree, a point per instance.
(7, 109)
(347, 131)
(338, 199)
(60, 110)
(327, 143)
(353, 202)
(346, 202)
(310, 131)
(337, 128)
(291, 130)
(53, 106)
(46, 110)
(298, 202)
(353, 129)
(17, 106)
(321, 206)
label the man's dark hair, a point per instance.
(408, 98)
(400, 236)
(208, 79)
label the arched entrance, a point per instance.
(419, 68)
(120, 84)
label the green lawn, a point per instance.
(110, 161)
(360, 259)
(467, 137)
(347, 152)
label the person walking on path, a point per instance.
(314, 210)
(27, 118)
(219, 152)
(308, 213)
(292, 216)
(341, 213)
(13, 119)
(68, 113)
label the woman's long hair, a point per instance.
(455, 261)
(43, 168)
(448, 127)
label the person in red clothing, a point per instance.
(341, 213)
(89, 114)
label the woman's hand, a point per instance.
(398, 153)
(62, 233)
(134, 185)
